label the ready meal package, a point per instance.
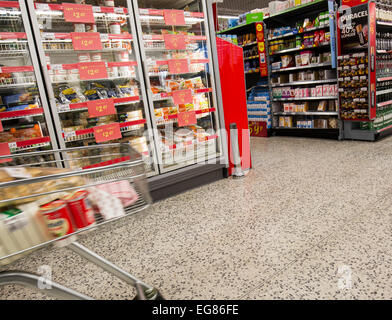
(8, 174)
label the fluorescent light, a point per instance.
(227, 17)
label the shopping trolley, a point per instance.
(63, 171)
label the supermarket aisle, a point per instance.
(308, 208)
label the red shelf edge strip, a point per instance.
(11, 114)
(9, 4)
(32, 141)
(107, 163)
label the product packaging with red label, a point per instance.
(81, 209)
(58, 218)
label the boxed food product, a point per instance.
(306, 57)
(287, 61)
(319, 91)
(325, 90)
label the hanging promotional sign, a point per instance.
(174, 17)
(261, 49)
(187, 118)
(174, 41)
(353, 26)
(86, 41)
(101, 107)
(107, 132)
(178, 66)
(92, 70)
(78, 13)
(182, 97)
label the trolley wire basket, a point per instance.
(49, 197)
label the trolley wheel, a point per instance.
(153, 294)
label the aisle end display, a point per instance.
(364, 70)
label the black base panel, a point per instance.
(308, 133)
(168, 185)
(383, 134)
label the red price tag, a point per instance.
(107, 132)
(86, 40)
(182, 96)
(186, 118)
(1, 127)
(100, 108)
(178, 66)
(5, 151)
(78, 13)
(174, 41)
(174, 17)
(92, 70)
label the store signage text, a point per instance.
(86, 40)
(107, 132)
(78, 13)
(101, 107)
(178, 66)
(92, 70)
(174, 17)
(187, 118)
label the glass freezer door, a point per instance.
(179, 77)
(25, 123)
(93, 75)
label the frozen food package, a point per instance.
(70, 95)
(16, 173)
(105, 204)
(122, 190)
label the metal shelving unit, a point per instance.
(309, 118)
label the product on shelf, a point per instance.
(353, 83)
(259, 106)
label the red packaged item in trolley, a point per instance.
(58, 218)
(81, 209)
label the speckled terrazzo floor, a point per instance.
(308, 209)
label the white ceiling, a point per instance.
(236, 7)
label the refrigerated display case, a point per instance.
(179, 76)
(25, 123)
(92, 69)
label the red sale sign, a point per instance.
(178, 66)
(5, 151)
(182, 96)
(101, 107)
(186, 118)
(107, 132)
(174, 41)
(92, 70)
(86, 40)
(174, 17)
(78, 13)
